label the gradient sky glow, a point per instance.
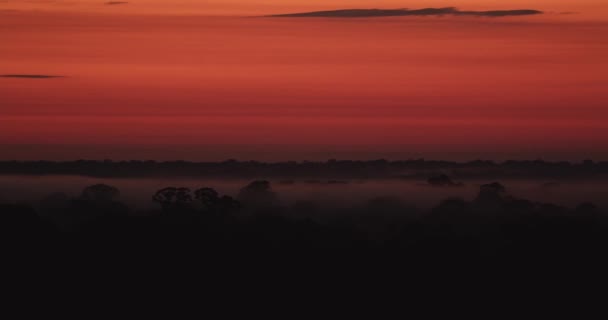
(138, 75)
(256, 7)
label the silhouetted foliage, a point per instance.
(442, 180)
(96, 202)
(174, 200)
(99, 193)
(20, 220)
(336, 170)
(213, 204)
(587, 208)
(491, 194)
(494, 223)
(258, 194)
(452, 208)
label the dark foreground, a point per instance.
(196, 223)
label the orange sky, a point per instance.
(597, 8)
(506, 84)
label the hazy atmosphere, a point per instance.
(145, 76)
(437, 131)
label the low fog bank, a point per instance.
(422, 193)
(491, 222)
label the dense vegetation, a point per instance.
(493, 224)
(330, 169)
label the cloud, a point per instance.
(113, 3)
(29, 76)
(365, 13)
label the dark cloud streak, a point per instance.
(29, 76)
(366, 13)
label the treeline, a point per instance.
(339, 169)
(494, 223)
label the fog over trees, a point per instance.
(492, 223)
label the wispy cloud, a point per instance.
(113, 3)
(365, 13)
(29, 76)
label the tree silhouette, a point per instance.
(99, 193)
(442, 180)
(451, 209)
(207, 196)
(173, 200)
(258, 194)
(97, 201)
(491, 194)
(212, 203)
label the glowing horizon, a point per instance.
(450, 83)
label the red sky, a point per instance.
(140, 75)
(596, 8)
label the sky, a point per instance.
(596, 8)
(134, 77)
